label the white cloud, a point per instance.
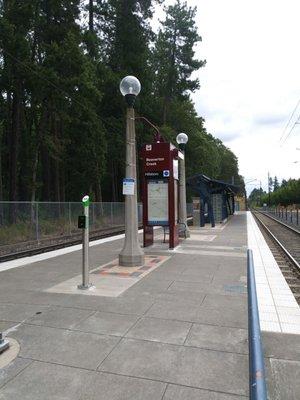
(250, 84)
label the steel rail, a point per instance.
(287, 253)
(257, 382)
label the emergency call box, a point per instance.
(82, 222)
(160, 190)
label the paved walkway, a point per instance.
(179, 332)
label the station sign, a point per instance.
(160, 190)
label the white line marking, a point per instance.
(20, 262)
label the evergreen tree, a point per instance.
(62, 128)
(15, 23)
(128, 55)
(174, 60)
(275, 184)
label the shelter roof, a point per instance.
(214, 185)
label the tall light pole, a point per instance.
(246, 199)
(269, 194)
(182, 140)
(131, 255)
(260, 193)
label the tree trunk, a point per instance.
(45, 160)
(91, 15)
(56, 165)
(1, 184)
(46, 175)
(170, 84)
(13, 150)
(98, 191)
(113, 182)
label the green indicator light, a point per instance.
(86, 201)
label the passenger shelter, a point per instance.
(216, 198)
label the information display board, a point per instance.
(160, 191)
(158, 203)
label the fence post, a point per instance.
(93, 213)
(70, 219)
(1, 214)
(111, 213)
(37, 222)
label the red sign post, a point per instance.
(160, 190)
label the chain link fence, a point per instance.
(26, 221)
(43, 222)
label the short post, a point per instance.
(297, 216)
(4, 344)
(83, 223)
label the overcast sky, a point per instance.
(250, 84)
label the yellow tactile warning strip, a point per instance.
(110, 279)
(114, 269)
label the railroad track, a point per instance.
(28, 249)
(284, 243)
(56, 243)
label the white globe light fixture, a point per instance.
(130, 87)
(182, 139)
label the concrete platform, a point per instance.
(179, 332)
(278, 308)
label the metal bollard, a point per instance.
(4, 344)
(83, 223)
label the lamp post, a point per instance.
(246, 200)
(131, 255)
(182, 140)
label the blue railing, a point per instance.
(257, 382)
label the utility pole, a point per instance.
(269, 189)
(260, 193)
